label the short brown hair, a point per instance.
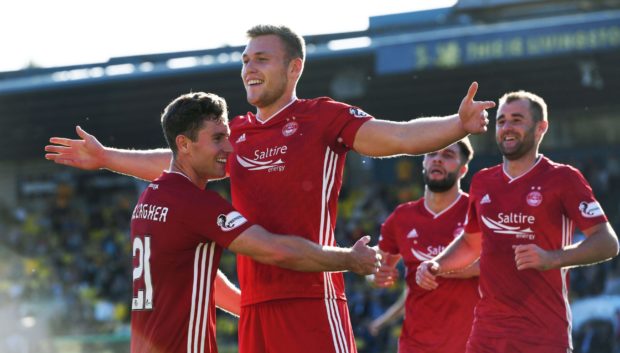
(186, 114)
(467, 151)
(538, 107)
(294, 44)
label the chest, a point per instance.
(422, 238)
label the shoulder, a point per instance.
(561, 169)
(326, 105)
(239, 121)
(408, 207)
(486, 173)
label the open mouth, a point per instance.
(254, 82)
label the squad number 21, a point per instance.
(142, 251)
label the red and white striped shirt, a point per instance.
(285, 175)
(540, 207)
(177, 233)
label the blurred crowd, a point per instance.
(65, 274)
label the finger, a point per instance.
(433, 269)
(364, 240)
(81, 133)
(56, 149)
(487, 104)
(428, 284)
(65, 161)
(471, 92)
(61, 141)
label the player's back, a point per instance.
(174, 267)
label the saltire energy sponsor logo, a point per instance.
(590, 209)
(500, 226)
(261, 161)
(431, 252)
(258, 165)
(230, 221)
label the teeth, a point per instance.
(221, 160)
(254, 82)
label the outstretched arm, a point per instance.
(297, 253)
(88, 153)
(382, 138)
(227, 296)
(601, 244)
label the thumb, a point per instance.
(364, 240)
(433, 268)
(81, 133)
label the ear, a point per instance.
(296, 66)
(463, 170)
(182, 142)
(541, 128)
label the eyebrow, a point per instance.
(514, 114)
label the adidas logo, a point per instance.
(241, 138)
(412, 234)
(485, 199)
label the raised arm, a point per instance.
(601, 244)
(88, 153)
(227, 295)
(296, 253)
(381, 138)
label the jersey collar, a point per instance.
(272, 117)
(511, 179)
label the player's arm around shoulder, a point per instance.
(297, 253)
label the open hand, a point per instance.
(86, 153)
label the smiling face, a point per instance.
(268, 75)
(207, 154)
(442, 169)
(516, 131)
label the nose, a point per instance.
(248, 66)
(227, 146)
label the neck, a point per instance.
(518, 167)
(265, 113)
(190, 173)
(439, 201)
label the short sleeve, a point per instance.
(343, 122)
(578, 200)
(217, 220)
(471, 221)
(387, 239)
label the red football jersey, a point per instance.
(177, 234)
(439, 320)
(285, 175)
(540, 207)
